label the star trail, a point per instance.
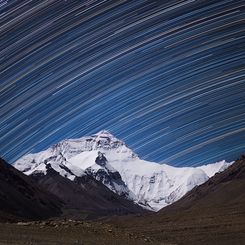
(167, 77)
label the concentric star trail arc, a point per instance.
(165, 76)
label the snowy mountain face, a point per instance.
(110, 161)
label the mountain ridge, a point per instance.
(150, 184)
(84, 197)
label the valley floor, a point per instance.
(223, 227)
(66, 233)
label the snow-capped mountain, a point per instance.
(110, 161)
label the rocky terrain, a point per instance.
(67, 232)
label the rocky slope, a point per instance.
(84, 197)
(22, 198)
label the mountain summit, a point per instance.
(149, 184)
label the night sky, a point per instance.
(167, 77)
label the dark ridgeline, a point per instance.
(85, 197)
(22, 198)
(106, 176)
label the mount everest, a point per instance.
(149, 184)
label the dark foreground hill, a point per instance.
(47, 196)
(84, 197)
(212, 213)
(21, 198)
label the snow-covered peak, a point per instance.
(105, 140)
(147, 183)
(78, 153)
(102, 141)
(104, 133)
